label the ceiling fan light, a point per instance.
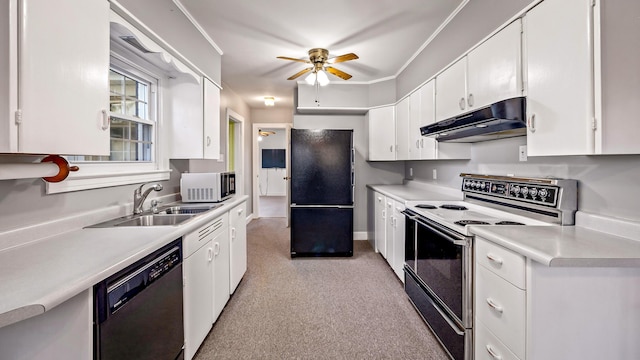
(311, 79)
(269, 101)
(323, 79)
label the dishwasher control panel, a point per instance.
(123, 286)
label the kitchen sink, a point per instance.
(188, 209)
(155, 220)
(166, 216)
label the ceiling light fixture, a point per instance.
(269, 101)
(317, 77)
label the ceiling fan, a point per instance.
(319, 58)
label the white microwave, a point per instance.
(207, 187)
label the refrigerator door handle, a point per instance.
(322, 206)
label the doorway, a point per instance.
(235, 147)
(271, 169)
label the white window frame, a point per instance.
(94, 175)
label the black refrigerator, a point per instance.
(322, 192)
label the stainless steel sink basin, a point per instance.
(166, 216)
(188, 209)
(155, 220)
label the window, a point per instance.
(132, 123)
(135, 152)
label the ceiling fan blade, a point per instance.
(294, 59)
(300, 73)
(339, 73)
(343, 58)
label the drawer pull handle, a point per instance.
(495, 306)
(493, 353)
(494, 259)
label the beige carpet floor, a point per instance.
(316, 308)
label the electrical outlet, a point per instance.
(435, 174)
(522, 153)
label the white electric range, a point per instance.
(439, 246)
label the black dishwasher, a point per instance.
(138, 311)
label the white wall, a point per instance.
(608, 185)
(365, 172)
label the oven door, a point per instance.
(442, 261)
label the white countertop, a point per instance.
(42, 274)
(575, 246)
(415, 191)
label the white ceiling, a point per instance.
(385, 34)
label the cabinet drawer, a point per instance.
(500, 306)
(503, 262)
(489, 347)
(196, 239)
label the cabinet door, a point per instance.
(427, 116)
(186, 118)
(220, 272)
(559, 90)
(451, 90)
(211, 110)
(402, 129)
(63, 77)
(380, 222)
(388, 245)
(382, 130)
(494, 68)
(414, 136)
(198, 296)
(238, 257)
(398, 240)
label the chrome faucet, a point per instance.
(139, 196)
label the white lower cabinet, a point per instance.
(221, 269)
(238, 246)
(389, 231)
(198, 294)
(380, 223)
(500, 307)
(530, 311)
(489, 347)
(396, 259)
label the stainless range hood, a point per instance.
(506, 118)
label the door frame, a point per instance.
(238, 151)
(256, 165)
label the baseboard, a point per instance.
(360, 235)
(249, 218)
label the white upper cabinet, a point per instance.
(211, 112)
(422, 113)
(414, 138)
(195, 119)
(56, 100)
(494, 70)
(451, 91)
(402, 129)
(382, 130)
(559, 60)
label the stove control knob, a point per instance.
(533, 192)
(524, 191)
(515, 189)
(543, 193)
(467, 183)
(482, 186)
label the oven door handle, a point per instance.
(456, 239)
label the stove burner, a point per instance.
(426, 206)
(453, 207)
(471, 222)
(508, 223)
